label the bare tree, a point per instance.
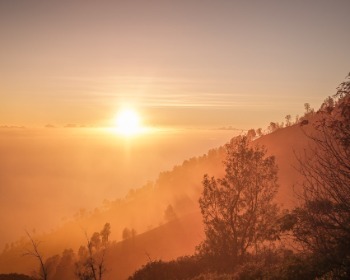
(34, 252)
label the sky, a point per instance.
(193, 63)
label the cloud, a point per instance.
(71, 125)
(230, 127)
(12, 127)
(50, 126)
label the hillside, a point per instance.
(144, 210)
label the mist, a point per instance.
(48, 176)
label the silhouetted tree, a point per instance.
(273, 126)
(133, 233)
(328, 104)
(183, 268)
(259, 132)
(307, 108)
(251, 134)
(105, 232)
(91, 263)
(238, 210)
(34, 252)
(288, 118)
(169, 213)
(128, 233)
(65, 266)
(51, 265)
(323, 220)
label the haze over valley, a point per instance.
(169, 140)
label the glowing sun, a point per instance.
(128, 122)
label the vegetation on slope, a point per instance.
(243, 240)
(318, 227)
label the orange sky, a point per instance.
(187, 63)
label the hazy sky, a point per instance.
(193, 62)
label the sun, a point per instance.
(128, 122)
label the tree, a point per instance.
(34, 252)
(187, 267)
(273, 126)
(328, 104)
(323, 219)
(251, 134)
(91, 263)
(105, 232)
(288, 118)
(126, 234)
(65, 266)
(238, 210)
(169, 214)
(307, 108)
(51, 265)
(259, 132)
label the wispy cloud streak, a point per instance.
(154, 92)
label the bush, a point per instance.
(182, 268)
(15, 276)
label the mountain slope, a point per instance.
(144, 210)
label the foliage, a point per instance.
(128, 233)
(271, 264)
(15, 276)
(323, 220)
(214, 276)
(259, 132)
(307, 108)
(182, 268)
(169, 213)
(251, 134)
(238, 210)
(64, 268)
(91, 263)
(273, 126)
(288, 120)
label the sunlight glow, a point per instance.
(128, 122)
